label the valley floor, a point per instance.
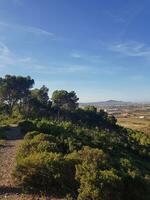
(135, 124)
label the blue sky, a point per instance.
(99, 48)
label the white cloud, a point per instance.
(37, 31)
(8, 58)
(28, 29)
(54, 69)
(131, 48)
(90, 58)
(5, 55)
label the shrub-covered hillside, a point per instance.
(60, 158)
(70, 152)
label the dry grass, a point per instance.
(135, 124)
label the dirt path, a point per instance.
(7, 156)
(7, 163)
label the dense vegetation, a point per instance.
(68, 151)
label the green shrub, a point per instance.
(54, 128)
(5, 120)
(30, 135)
(46, 172)
(36, 142)
(98, 181)
(46, 146)
(85, 163)
(2, 143)
(26, 126)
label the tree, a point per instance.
(13, 90)
(90, 108)
(41, 95)
(64, 100)
(38, 103)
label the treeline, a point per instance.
(18, 96)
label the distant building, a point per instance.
(125, 115)
(141, 117)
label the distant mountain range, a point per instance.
(108, 103)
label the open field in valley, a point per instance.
(135, 123)
(134, 116)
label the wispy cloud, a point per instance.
(37, 31)
(76, 55)
(115, 17)
(131, 48)
(8, 58)
(28, 29)
(5, 55)
(87, 57)
(55, 69)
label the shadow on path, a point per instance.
(13, 133)
(9, 190)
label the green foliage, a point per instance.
(6, 121)
(30, 135)
(90, 109)
(65, 100)
(2, 143)
(38, 103)
(97, 181)
(26, 126)
(36, 142)
(100, 181)
(14, 90)
(91, 164)
(47, 172)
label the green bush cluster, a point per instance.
(61, 158)
(41, 166)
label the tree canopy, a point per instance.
(65, 100)
(14, 90)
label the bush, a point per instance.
(85, 163)
(36, 142)
(100, 181)
(2, 143)
(97, 181)
(26, 126)
(46, 172)
(30, 135)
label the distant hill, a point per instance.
(107, 103)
